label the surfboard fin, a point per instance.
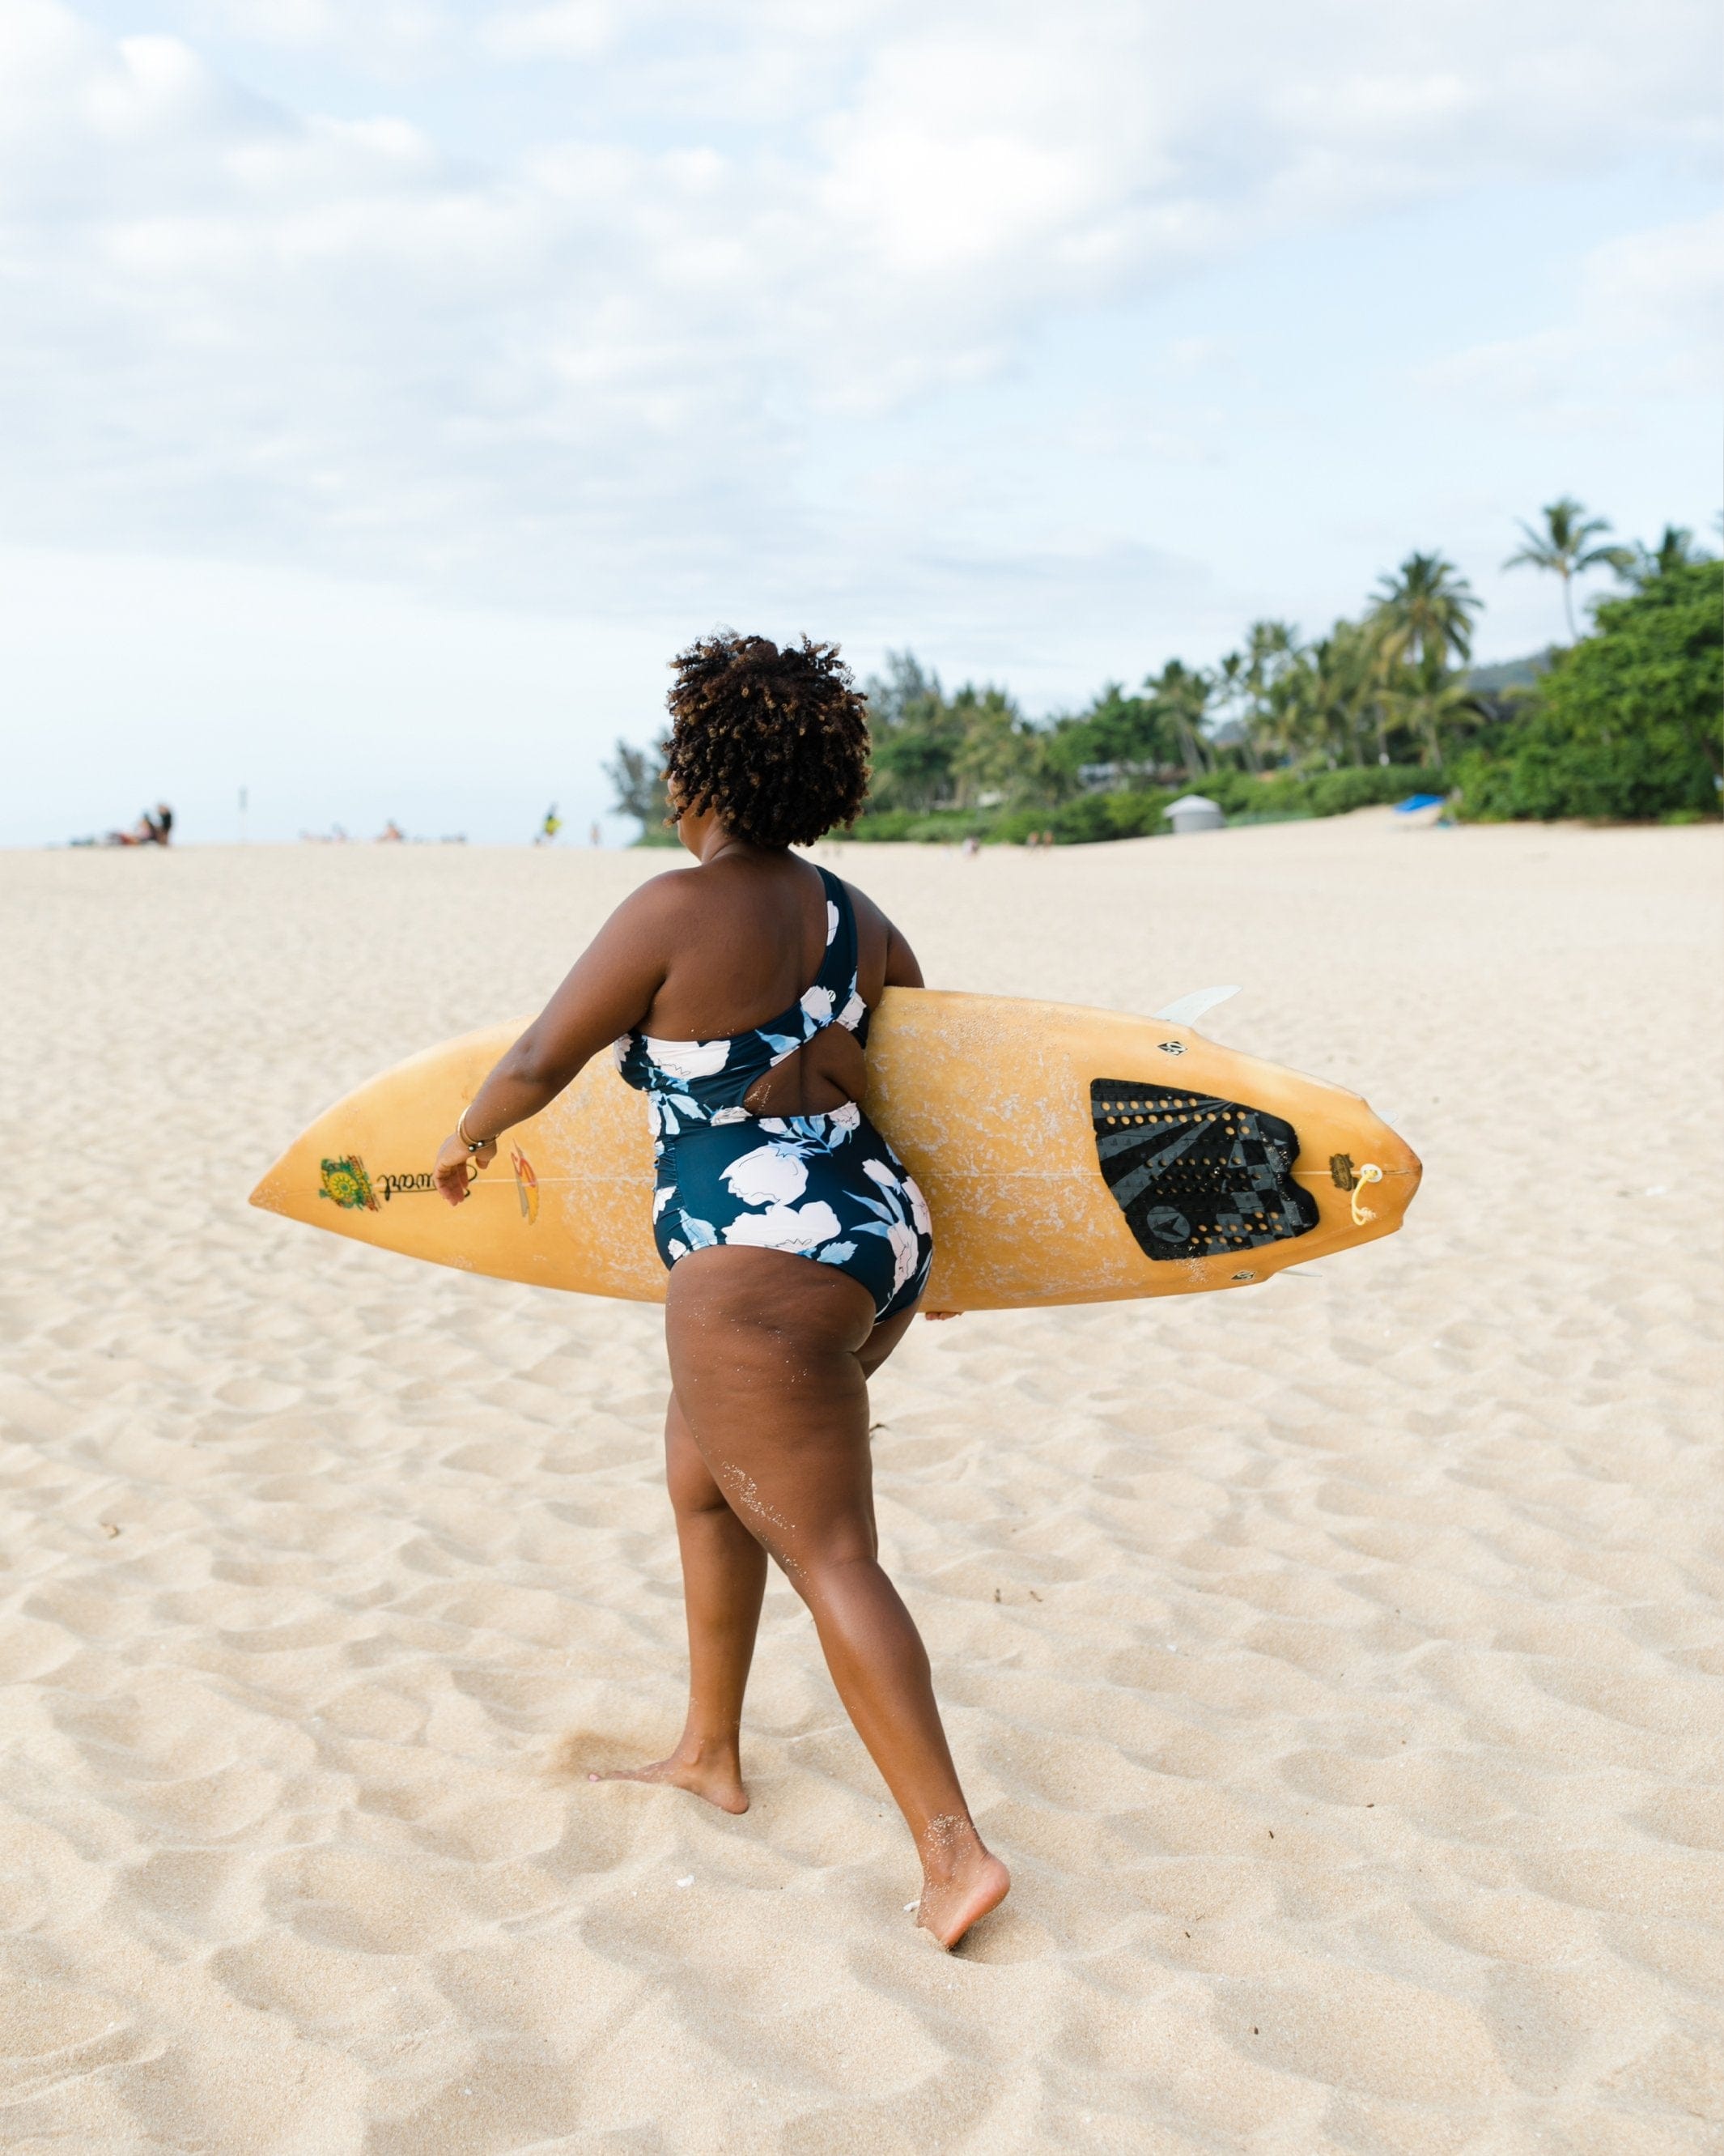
(1186, 1010)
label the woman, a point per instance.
(735, 995)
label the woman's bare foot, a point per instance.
(961, 1881)
(715, 1776)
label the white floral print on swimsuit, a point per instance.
(823, 1187)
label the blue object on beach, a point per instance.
(1419, 801)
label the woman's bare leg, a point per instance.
(724, 1576)
(766, 1356)
(724, 1572)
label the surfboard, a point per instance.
(1067, 1155)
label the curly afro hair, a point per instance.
(776, 742)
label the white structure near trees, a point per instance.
(1194, 811)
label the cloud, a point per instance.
(1647, 321)
(380, 33)
(569, 29)
(1667, 287)
(595, 362)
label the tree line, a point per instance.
(1623, 722)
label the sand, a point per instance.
(1336, 1663)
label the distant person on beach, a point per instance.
(594, 836)
(549, 828)
(157, 830)
(392, 834)
(736, 995)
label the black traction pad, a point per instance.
(1197, 1176)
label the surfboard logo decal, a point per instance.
(345, 1183)
(350, 1183)
(1197, 1176)
(526, 1185)
(416, 1183)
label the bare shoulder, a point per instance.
(868, 914)
(666, 898)
(670, 886)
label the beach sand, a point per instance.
(1336, 1663)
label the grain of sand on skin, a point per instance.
(1334, 1663)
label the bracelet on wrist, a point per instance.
(472, 1144)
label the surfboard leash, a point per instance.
(1367, 1173)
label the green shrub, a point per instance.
(1370, 786)
(1627, 725)
(947, 826)
(1234, 793)
(884, 824)
(1013, 826)
(1137, 815)
(926, 827)
(1088, 818)
(1285, 793)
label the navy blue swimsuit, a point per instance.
(828, 1187)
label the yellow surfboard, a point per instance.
(1067, 1156)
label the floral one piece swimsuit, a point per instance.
(826, 1186)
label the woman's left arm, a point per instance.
(606, 991)
(886, 959)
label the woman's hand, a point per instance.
(452, 1158)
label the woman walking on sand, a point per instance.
(735, 994)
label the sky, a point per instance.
(389, 388)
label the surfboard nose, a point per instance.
(1399, 1158)
(1386, 1194)
(269, 1192)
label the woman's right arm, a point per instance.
(606, 992)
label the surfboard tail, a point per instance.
(564, 1203)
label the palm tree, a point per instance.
(1564, 547)
(1676, 550)
(997, 752)
(1231, 695)
(1424, 612)
(638, 774)
(1431, 706)
(1421, 617)
(1181, 695)
(1273, 657)
(1346, 683)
